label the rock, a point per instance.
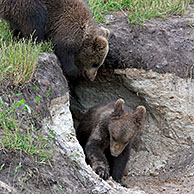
(169, 102)
(68, 171)
(60, 121)
(62, 124)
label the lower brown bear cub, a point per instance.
(106, 133)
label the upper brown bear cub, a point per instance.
(106, 133)
(77, 41)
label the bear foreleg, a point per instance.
(97, 159)
(66, 58)
(119, 164)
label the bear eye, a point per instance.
(126, 142)
(113, 138)
(95, 65)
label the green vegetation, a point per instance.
(139, 10)
(17, 136)
(18, 58)
(5, 33)
(191, 23)
(18, 61)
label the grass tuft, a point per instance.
(28, 139)
(18, 58)
(18, 61)
(139, 10)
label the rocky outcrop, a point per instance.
(157, 62)
(169, 101)
(47, 97)
(164, 46)
(61, 123)
(167, 133)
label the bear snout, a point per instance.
(116, 148)
(91, 74)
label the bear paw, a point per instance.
(102, 172)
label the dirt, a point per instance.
(160, 45)
(163, 46)
(176, 177)
(25, 175)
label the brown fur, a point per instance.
(25, 17)
(72, 30)
(106, 133)
(77, 41)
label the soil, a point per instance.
(163, 46)
(25, 175)
(160, 45)
(176, 178)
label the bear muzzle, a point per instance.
(116, 148)
(91, 74)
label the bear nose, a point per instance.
(86, 76)
(91, 74)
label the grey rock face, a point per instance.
(169, 101)
(61, 123)
(49, 75)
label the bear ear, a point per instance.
(100, 43)
(139, 115)
(105, 32)
(118, 108)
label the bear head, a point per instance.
(92, 54)
(123, 126)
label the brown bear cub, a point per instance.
(106, 133)
(77, 42)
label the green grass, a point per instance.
(18, 58)
(5, 33)
(18, 61)
(28, 139)
(138, 10)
